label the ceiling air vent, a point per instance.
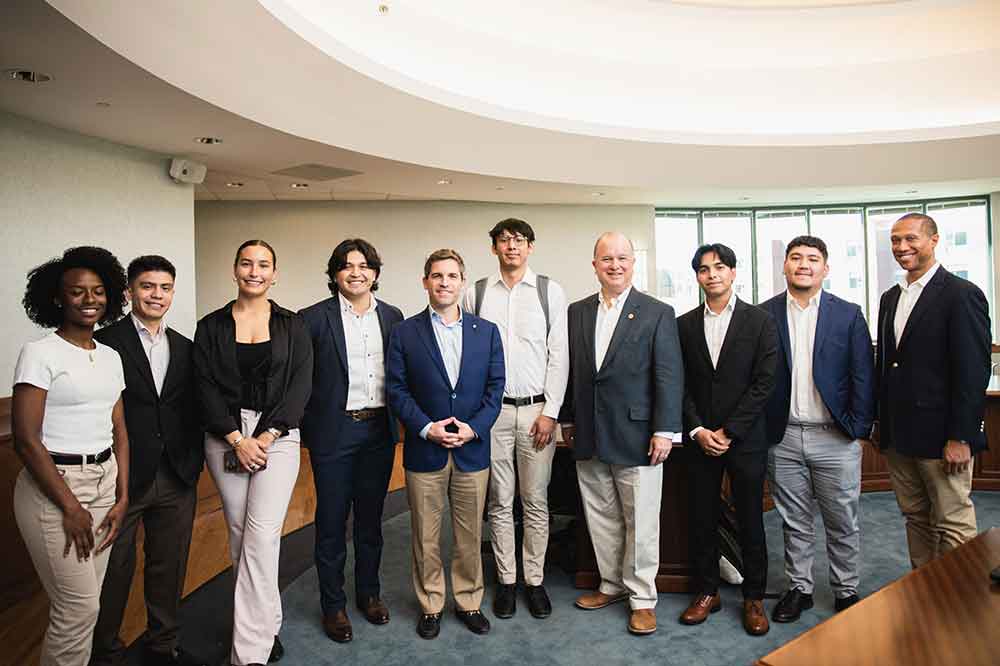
(315, 172)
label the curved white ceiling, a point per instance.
(733, 72)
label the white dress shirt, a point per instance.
(608, 314)
(537, 360)
(365, 359)
(157, 349)
(806, 405)
(909, 294)
(716, 327)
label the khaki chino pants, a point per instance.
(937, 506)
(466, 492)
(511, 444)
(73, 587)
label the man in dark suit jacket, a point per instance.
(445, 380)
(166, 451)
(933, 365)
(820, 412)
(621, 413)
(730, 357)
(349, 431)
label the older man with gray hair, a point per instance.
(622, 410)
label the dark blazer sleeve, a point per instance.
(862, 378)
(970, 349)
(397, 386)
(567, 413)
(754, 399)
(215, 414)
(668, 374)
(496, 378)
(287, 413)
(692, 419)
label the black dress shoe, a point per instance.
(474, 621)
(429, 625)
(374, 610)
(505, 601)
(845, 603)
(791, 605)
(179, 657)
(538, 601)
(277, 651)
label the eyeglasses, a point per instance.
(516, 241)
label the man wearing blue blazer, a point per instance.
(445, 382)
(819, 414)
(349, 431)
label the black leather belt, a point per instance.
(524, 402)
(81, 459)
(365, 414)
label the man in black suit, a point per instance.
(166, 454)
(621, 413)
(350, 434)
(730, 360)
(933, 366)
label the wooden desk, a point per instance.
(944, 613)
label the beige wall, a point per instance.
(59, 189)
(405, 232)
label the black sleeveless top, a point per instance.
(254, 360)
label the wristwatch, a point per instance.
(275, 433)
(236, 442)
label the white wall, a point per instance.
(59, 189)
(405, 232)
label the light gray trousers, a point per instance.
(818, 466)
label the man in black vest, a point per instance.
(167, 453)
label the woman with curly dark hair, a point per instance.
(69, 430)
(253, 366)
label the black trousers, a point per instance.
(747, 471)
(352, 478)
(167, 511)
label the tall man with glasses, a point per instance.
(933, 366)
(530, 311)
(818, 416)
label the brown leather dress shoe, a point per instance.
(597, 599)
(375, 610)
(642, 621)
(338, 627)
(754, 617)
(700, 608)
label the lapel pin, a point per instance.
(473, 326)
(631, 315)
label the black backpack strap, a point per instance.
(543, 298)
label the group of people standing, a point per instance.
(114, 426)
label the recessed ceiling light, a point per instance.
(208, 140)
(444, 181)
(597, 194)
(27, 76)
(499, 187)
(299, 186)
(104, 105)
(912, 191)
(744, 198)
(383, 9)
(235, 183)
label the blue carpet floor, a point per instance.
(572, 636)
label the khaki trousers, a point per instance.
(511, 444)
(255, 506)
(73, 587)
(466, 492)
(622, 508)
(937, 506)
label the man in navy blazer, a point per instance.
(933, 365)
(349, 431)
(445, 382)
(819, 414)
